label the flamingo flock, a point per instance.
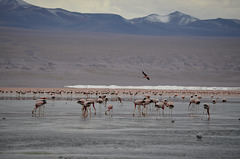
(144, 105)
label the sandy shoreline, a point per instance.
(151, 92)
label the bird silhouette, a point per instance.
(145, 75)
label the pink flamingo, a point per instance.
(99, 100)
(87, 104)
(109, 109)
(39, 102)
(81, 101)
(146, 103)
(214, 101)
(138, 103)
(120, 99)
(170, 105)
(160, 105)
(207, 107)
(224, 100)
(194, 101)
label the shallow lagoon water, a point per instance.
(62, 132)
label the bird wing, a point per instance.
(144, 73)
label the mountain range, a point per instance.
(19, 14)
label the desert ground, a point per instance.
(31, 58)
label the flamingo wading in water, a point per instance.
(109, 109)
(160, 105)
(139, 103)
(39, 103)
(207, 107)
(87, 104)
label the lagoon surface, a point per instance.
(63, 132)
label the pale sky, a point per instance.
(202, 9)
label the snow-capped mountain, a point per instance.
(154, 18)
(173, 18)
(18, 13)
(157, 18)
(181, 19)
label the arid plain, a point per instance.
(56, 59)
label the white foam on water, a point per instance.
(153, 87)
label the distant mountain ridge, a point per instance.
(17, 13)
(177, 18)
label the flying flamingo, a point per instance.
(110, 109)
(39, 102)
(145, 75)
(207, 107)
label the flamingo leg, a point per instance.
(208, 114)
(189, 105)
(134, 109)
(157, 113)
(95, 110)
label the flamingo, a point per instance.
(147, 102)
(53, 96)
(160, 105)
(139, 103)
(164, 101)
(224, 100)
(39, 102)
(153, 100)
(87, 104)
(120, 99)
(102, 99)
(194, 101)
(81, 101)
(214, 101)
(145, 76)
(207, 107)
(170, 105)
(105, 100)
(109, 109)
(99, 100)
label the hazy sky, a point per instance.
(202, 9)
